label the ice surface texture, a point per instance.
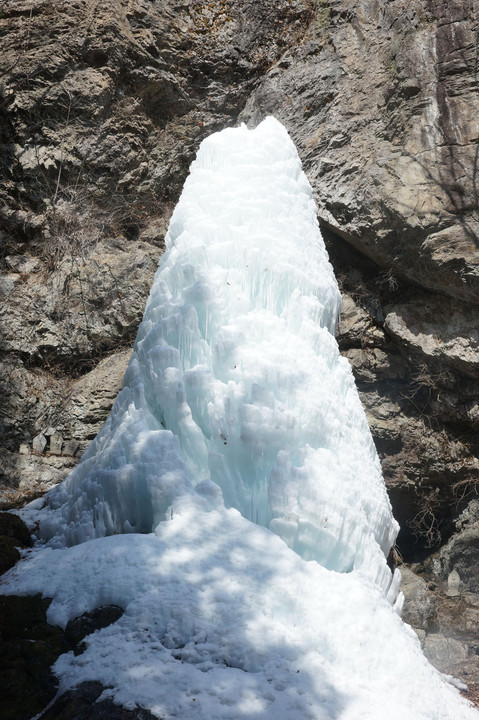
(236, 383)
(238, 417)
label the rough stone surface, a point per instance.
(13, 527)
(420, 408)
(56, 443)
(91, 397)
(86, 305)
(102, 107)
(28, 648)
(382, 101)
(442, 330)
(442, 601)
(448, 627)
(71, 448)
(457, 562)
(421, 605)
(101, 617)
(39, 443)
(82, 703)
(25, 477)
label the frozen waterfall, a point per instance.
(233, 503)
(236, 386)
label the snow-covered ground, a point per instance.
(233, 503)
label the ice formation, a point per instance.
(238, 448)
(236, 384)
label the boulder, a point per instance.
(80, 627)
(71, 448)
(83, 703)
(13, 527)
(9, 554)
(39, 443)
(29, 646)
(56, 443)
(420, 604)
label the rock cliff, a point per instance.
(102, 107)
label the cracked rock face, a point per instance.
(440, 329)
(102, 108)
(381, 100)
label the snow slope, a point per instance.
(239, 449)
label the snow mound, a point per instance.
(223, 621)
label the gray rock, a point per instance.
(56, 442)
(39, 443)
(400, 193)
(445, 653)
(437, 328)
(458, 559)
(87, 302)
(92, 396)
(84, 407)
(420, 604)
(71, 448)
(23, 264)
(421, 635)
(454, 584)
(357, 327)
(25, 477)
